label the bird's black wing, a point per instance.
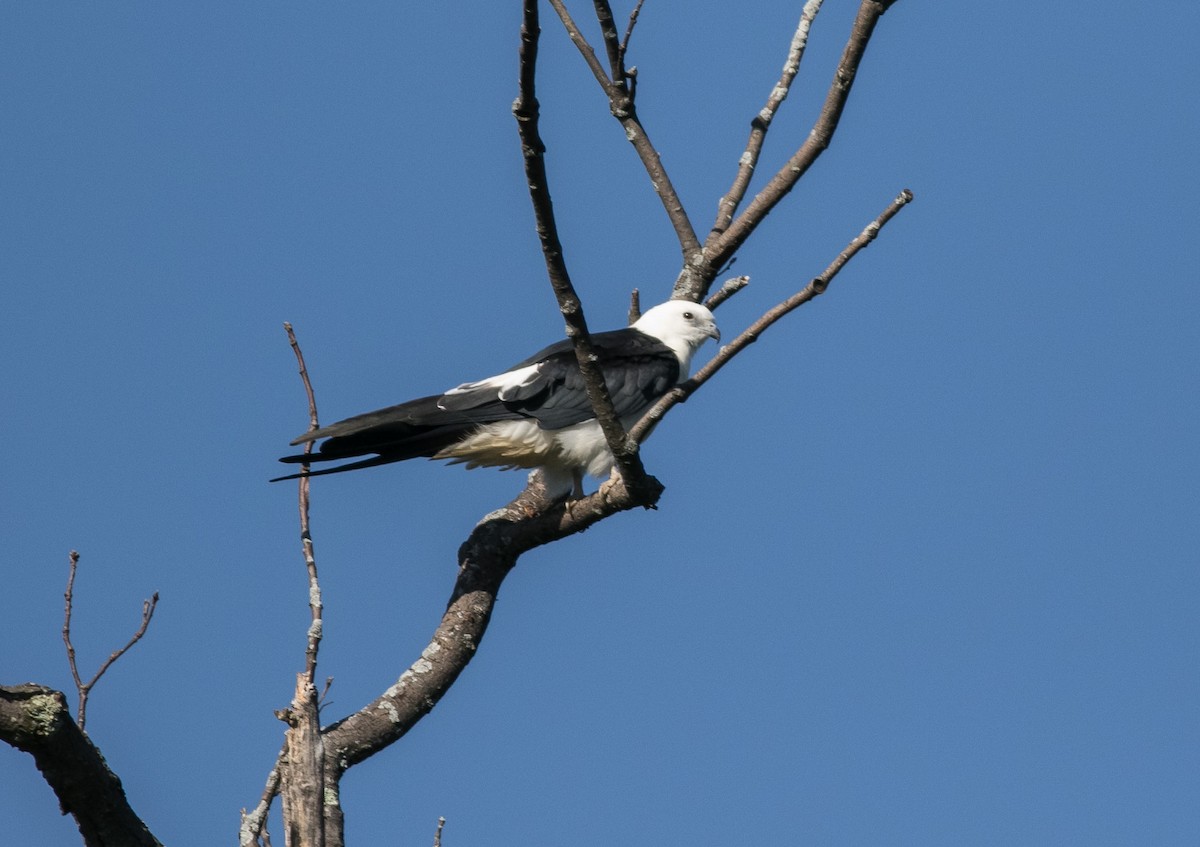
(405, 431)
(637, 368)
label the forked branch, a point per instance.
(702, 264)
(815, 288)
(85, 688)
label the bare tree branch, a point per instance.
(525, 109)
(485, 559)
(816, 287)
(253, 829)
(762, 121)
(612, 43)
(621, 104)
(37, 720)
(315, 604)
(303, 785)
(85, 688)
(725, 244)
(580, 42)
(728, 288)
(633, 19)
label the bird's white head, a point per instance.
(681, 325)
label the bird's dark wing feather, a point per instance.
(638, 369)
(406, 431)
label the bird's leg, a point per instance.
(577, 491)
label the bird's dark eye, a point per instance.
(687, 316)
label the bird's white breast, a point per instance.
(523, 444)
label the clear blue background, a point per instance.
(926, 568)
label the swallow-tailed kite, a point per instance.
(536, 414)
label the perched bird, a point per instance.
(536, 414)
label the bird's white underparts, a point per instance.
(536, 414)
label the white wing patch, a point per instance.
(510, 385)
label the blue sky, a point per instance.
(926, 567)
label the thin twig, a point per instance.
(308, 389)
(728, 288)
(633, 19)
(762, 121)
(621, 104)
(437, 836)
(68, 597)
(315, 604)
(814, 288)
(525, 109)
(85, 688)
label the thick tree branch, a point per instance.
(37, 720)
(719, 249)
(525, 109)
(303, 784)
(621, 104)
(485, 559)
(815, 288)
